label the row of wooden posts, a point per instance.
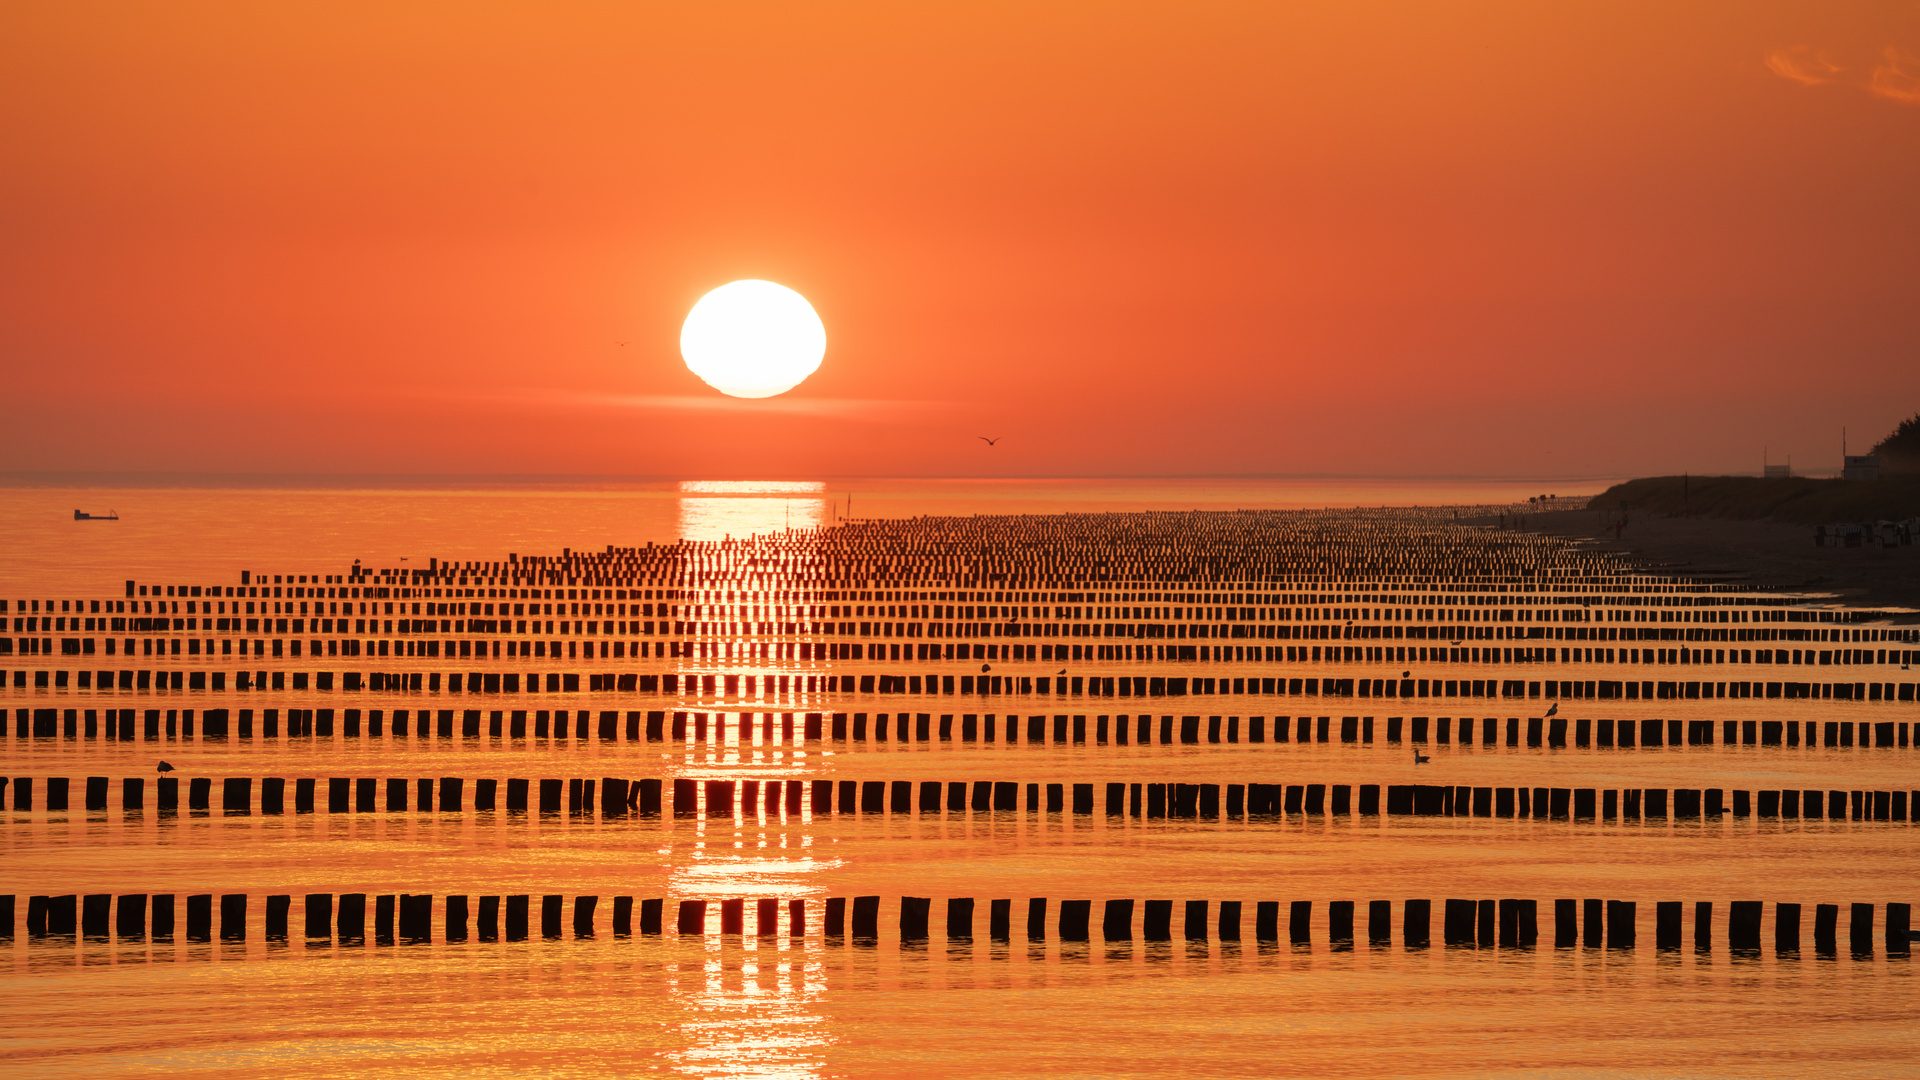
(617, 797)
(735, 686)
(658, 726)
(1511, 923)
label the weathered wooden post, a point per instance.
(1379, 922)
(233, 917)
(351, 925)
(1620, 924)
(960, 919)
(1743, 926)
(1666, 927)
(1786, 928)
(1860, 929)
(1415, 923)
(319, 916)
(456, 918)
(1266, 921)
(913, 918)
(1194, 926)
(1000, 920)
(96, 910)
(277, 910)
(130, 916)
(1340, 922)
(1074, 918)
(866, 917)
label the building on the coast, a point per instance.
(1861, 467)
(1776, 472)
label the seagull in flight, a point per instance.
(619, 343)
(989, 442)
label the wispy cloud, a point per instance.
(865, 409)
(840, 408)
(1804, 65)
(1898, 78)
(1895, 76)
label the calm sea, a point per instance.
(726, 1006)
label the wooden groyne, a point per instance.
(616, 797)
(1077, 729)
(409, 918)
(756, 685)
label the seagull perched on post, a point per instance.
(986, 667)
(1552, 709)
(164, 767)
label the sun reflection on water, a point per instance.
(752, 1007)
(718, 509)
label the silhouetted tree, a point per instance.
(1900, 451)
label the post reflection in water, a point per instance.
(753, 1000)
(752, 1008)
(718, 509)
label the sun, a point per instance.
(753, 339)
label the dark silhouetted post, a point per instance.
(960, 919)
(1074, 917)
(1000, 920)
(1416, 920)
(319, 916)
(866, 917)
(913, 917)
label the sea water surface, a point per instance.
(220, 526)
(718, 1005)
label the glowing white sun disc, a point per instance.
(753, 339)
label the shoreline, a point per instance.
(1767, 555)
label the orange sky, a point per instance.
(1570, 239)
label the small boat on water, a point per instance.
(82, 515)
